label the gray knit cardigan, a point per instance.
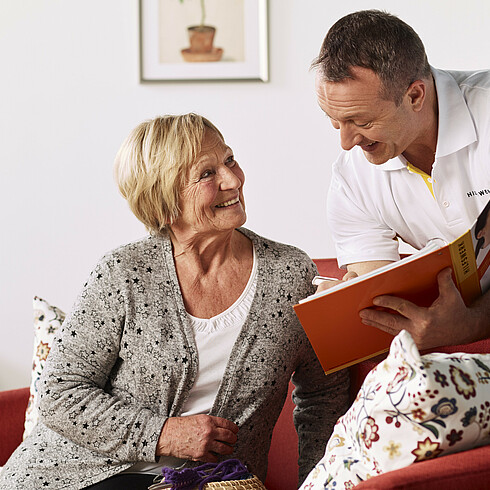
(126, 358)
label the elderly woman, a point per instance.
(181, 345)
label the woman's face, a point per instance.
(485, 233)
(212, 197)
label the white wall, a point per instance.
(70, 94)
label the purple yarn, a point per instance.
(188, 478)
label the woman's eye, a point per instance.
(230, 161)
(206, 174)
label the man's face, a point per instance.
(364, 118)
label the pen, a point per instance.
(317, 280)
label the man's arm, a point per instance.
(448, 321)
(361, 268)
(355, 270)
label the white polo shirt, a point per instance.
(369, 205)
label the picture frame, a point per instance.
(173, 44)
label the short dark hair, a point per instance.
(378, 41)
(481, 222)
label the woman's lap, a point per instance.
(124, 480)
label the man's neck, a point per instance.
(422, 158)
(421, 153)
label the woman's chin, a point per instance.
(237, 223)
(232, 222)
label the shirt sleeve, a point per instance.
(358, 231)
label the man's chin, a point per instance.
(374, 158)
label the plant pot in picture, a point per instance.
(201, 45)
(201, 39)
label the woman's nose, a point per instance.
(229, 180)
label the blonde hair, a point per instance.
(152, 164)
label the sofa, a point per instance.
(469, 469)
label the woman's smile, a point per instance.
(228, 203)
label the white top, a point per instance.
(215, 338)
(369, 205)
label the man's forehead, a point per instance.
(370, 85)
(355, 73)
(354, 95)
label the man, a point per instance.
(415, 165)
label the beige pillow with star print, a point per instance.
(47, 321)
(410, 408)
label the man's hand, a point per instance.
(197, 437)
(446, 322)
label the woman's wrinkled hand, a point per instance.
(197, 437)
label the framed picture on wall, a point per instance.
(203, 40)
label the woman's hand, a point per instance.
(197, 437)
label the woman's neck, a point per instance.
(204, 252)
(212, 270)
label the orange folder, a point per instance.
(331, 318)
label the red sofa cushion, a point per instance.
(466, 470)
(283, 455)
(14, 404)
(329, 268)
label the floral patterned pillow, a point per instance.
(410, 408)
(47, 321)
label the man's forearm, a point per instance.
(361, 268)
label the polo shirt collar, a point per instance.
(456, 127)
(394, 164)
